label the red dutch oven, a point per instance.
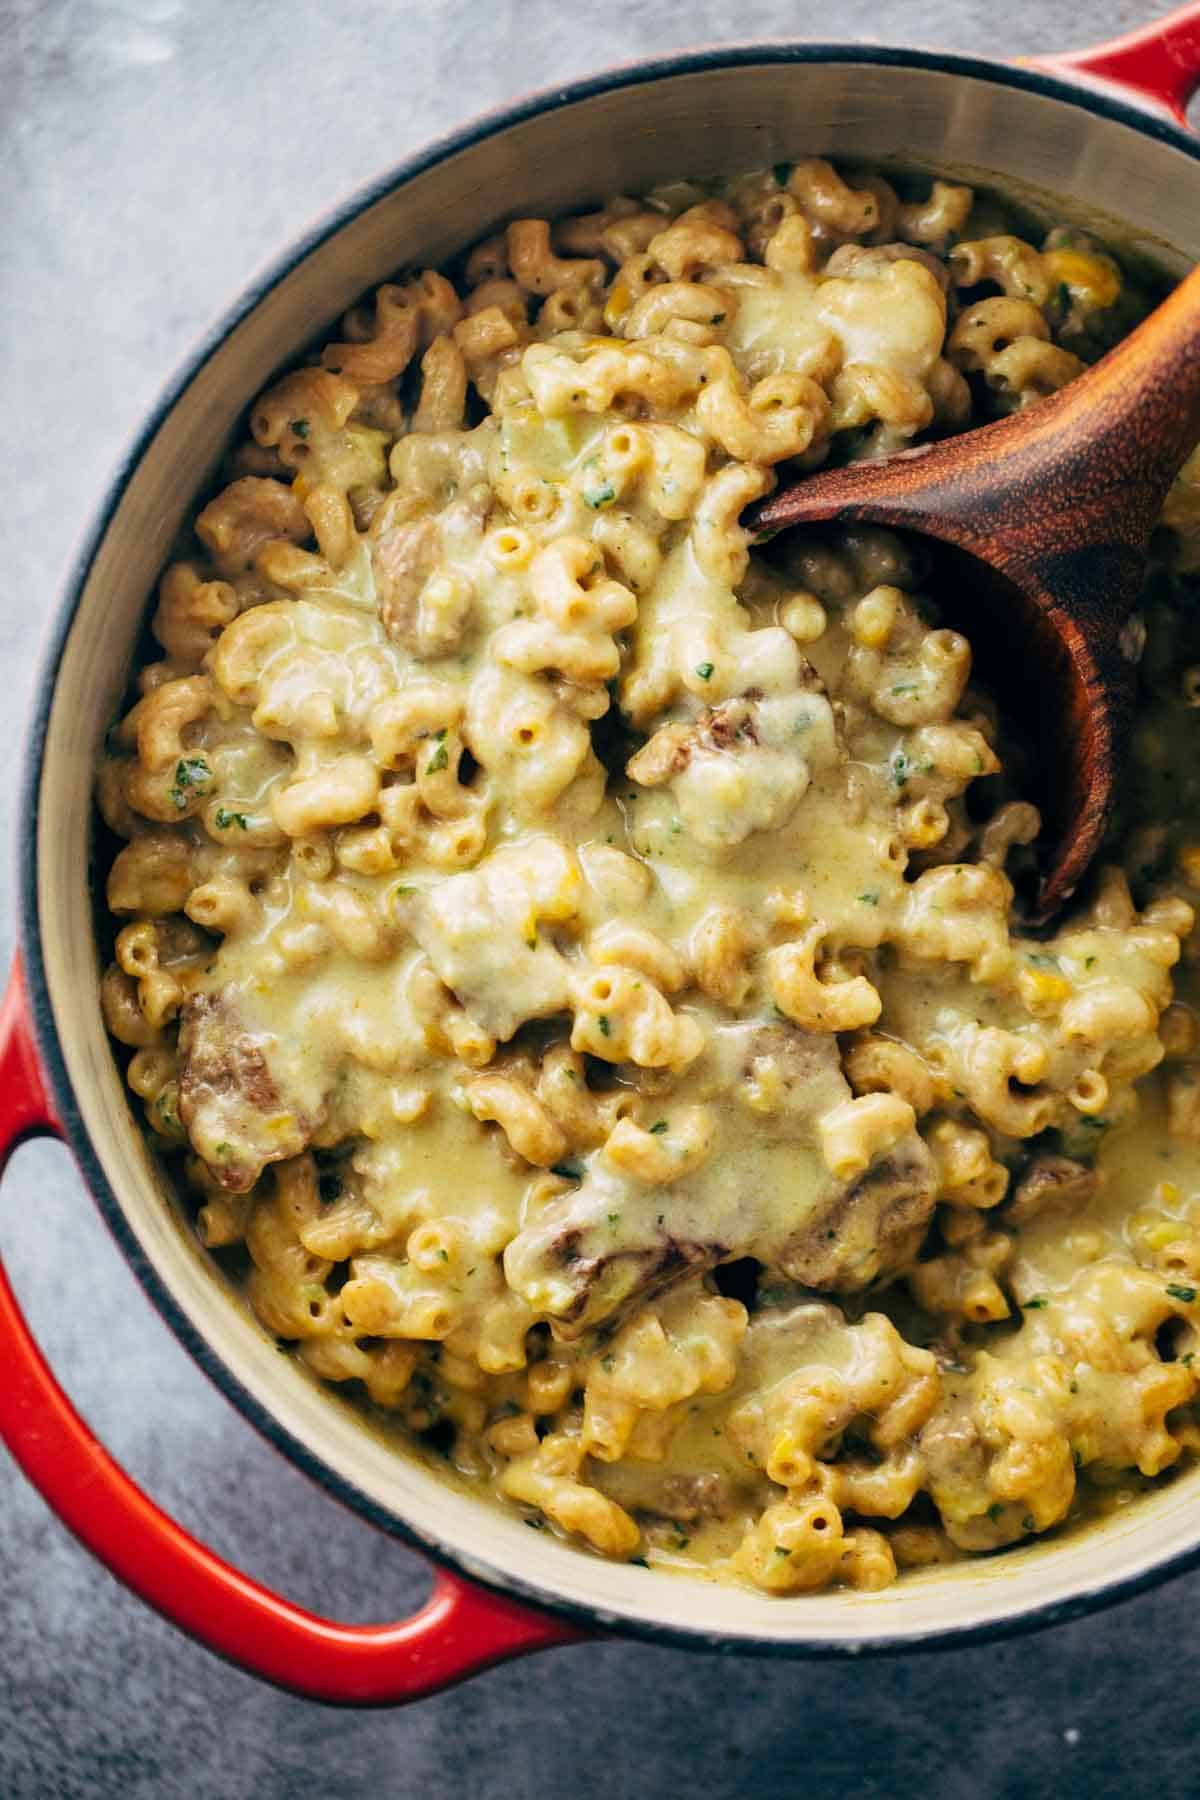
(1104, 130)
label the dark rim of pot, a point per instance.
(1094, 100)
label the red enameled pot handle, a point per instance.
(1158, 62)
(461, 1630)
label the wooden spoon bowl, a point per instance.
(1046, 518)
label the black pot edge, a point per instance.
(1032, 1619)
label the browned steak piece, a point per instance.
(871, 1227)
(230, 1101)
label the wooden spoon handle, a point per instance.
(1136, 414)
(1083, 473)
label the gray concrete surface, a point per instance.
(154, 151)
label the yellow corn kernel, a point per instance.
(873, 619)
(1041, 990)
(619, 302)
(1088, 276)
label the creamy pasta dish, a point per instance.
(573, 953)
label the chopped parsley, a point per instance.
(191, 773)
(599, 496)
(614, 1219)
(605, 1027)
(1034, 1303)
(907, 687)
(900, 767)
(1039, 961)
(658, 1127)
(704, 671)
(1178, 1292)
(441, 755)
(567, 1171)
(871, 898)
(300, 428)
(994, 1511)
(225, 819)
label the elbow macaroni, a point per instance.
(562, 944)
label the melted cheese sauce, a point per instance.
(574, 951)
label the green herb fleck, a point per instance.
(614, 1219)
(599, 496)
(605, 1027)
(443, 1256)
(1033, 1304)
(704, 671)
(608, 1362)
(907, 687)
(901, 768)
(782, 172)
(441, 755)
(1040, 961)
(717, 319)
(1189, 1359)
(871, 898)
(639, 1562)
(1178, 1292)
(300, 428)
(994, 1511)
(224, 819)
(567, 1171)
(658, 1127)
(190, 772)
(1089, 962)
(1062, 295)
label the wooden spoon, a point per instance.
(1045, 518)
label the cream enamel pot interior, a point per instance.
(503, 1589)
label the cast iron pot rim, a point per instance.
(50, 1054)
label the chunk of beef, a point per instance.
(230, 1099)
(1051, 1183)
(743, 766)
(871, 1227)
(604, 1244)
(404, 556)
